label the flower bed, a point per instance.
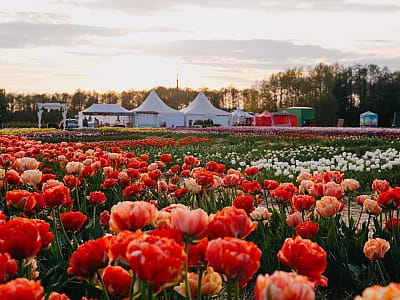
(146, 219)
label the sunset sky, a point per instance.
(63, 45)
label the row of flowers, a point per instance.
(113, 225)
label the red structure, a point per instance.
(263, 119)
(274, 119)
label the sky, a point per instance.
(49, 46)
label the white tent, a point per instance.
(106, 115)
(51, 106)
(240, 117)
(202, 109)
(153, 112)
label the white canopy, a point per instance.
(107, 114)
(202, 109)
(106, 109)
(51, 106)
(153, 112)
(239, 117)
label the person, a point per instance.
(96, 122)
(85, 122)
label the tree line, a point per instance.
(336, 92)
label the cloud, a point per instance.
(139, 7)
(29, 35)
(247, 53)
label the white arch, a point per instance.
(51, 106)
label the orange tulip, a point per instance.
(58, 296)
(327, 206)
(128, 215)
(376, 248)
(372, 207)
(391, 291)
(284, 286)
(211, 284)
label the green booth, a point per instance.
(305, 115)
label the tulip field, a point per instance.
(213, 213)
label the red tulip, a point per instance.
(244, 202)
(165, 158)
(158, 261)
(22, 200)
(20, 238)
(307, 229)
(306, 257)
(232, 222)
(73, 221)
(8, 267)
(237, 259)
(98, 198)
(21, 289)
(117, 281)
(89, 257)
(302, 202)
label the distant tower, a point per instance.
(177, 89)
(177, 80)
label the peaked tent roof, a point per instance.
(106, 109)
(368, 113)
(153, 103)
(202, 106)
(265, 113)
(241, 113)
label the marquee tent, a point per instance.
(284, 120)
(51, 106)
(263, 119)
(202, 109)
(106, 115)
(240, 117)
(368, 119)
(274, 119)
(153, 112)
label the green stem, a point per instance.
(24, 268)
(94, 216)
(78, 203)
(348, 210)
(382, 271)
(67, 239)
(132, 287)
(149, 292)
(359, 218)
(236, 283)
(229, 289)
(367, 231)
(103, 285)
(55, 233)
(187, 287)
(199, 283)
